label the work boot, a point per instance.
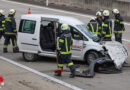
(72, 69)
(15, 50)
(58, 74)
(5, 50)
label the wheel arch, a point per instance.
(89, 52)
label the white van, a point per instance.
(36, 37)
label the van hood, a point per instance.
(117, 52)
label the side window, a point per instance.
(28, 26)
(76, 34)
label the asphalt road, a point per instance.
(47, 65)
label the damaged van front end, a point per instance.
(117, 53)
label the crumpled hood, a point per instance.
(117, 53)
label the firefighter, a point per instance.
(10, 30)
(2, 23)
(93, 26)
(118, 25)
(107, 26)
(64, 50)
(99, 21)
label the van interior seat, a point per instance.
(47, 39)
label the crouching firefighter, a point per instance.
(64, 50)
(10, 31)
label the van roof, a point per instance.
(62, 19)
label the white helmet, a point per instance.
(2, 12)
(115, 11)
(12, 11)
(106, 13)
(98, 13)
(65, 27)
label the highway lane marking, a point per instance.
(41, 74)
(57, 10)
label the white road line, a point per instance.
(41, 74)
(126, 40)
(57, 10)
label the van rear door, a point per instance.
(28, 40)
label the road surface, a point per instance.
(47, 65)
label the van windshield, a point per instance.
(83, 28)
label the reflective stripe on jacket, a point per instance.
(2, 22)
(65, 43)
(10, 25)
(93, 27)
(107, 27)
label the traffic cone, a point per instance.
(29, 11)
(2, 84)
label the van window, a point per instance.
(28, 26)
(76, 34)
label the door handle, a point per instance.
(84, 45)
(34, 39)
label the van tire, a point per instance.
(90, 56)
(30, 57)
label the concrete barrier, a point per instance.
(92, 5)
(96, 5)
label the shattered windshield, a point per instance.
(83, 28)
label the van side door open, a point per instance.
(47, 34)
(27, 38)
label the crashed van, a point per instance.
(36, 37)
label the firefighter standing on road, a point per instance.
(2, 23)
(10, 30)
(64, 50)
(99, 21)
(107, 26)
(93, 26)
(118, 25)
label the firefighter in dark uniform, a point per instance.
(107, 26)
(118, 25)
(64, 50)
(93, 26)
(10, 30)
(99, 21)
(2, 23)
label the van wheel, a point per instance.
(90, 56)
(30, 57)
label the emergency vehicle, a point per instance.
(36, 37)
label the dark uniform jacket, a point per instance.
(2, 23)
(107, 27)
(65, 43)
(118, 24)
(10, 25)
(99, 27)
(93, 26)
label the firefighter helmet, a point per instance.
(65, 27)
(2, 12)
(98, 13)
(115, 11)
(106, 13)
(12, 11)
